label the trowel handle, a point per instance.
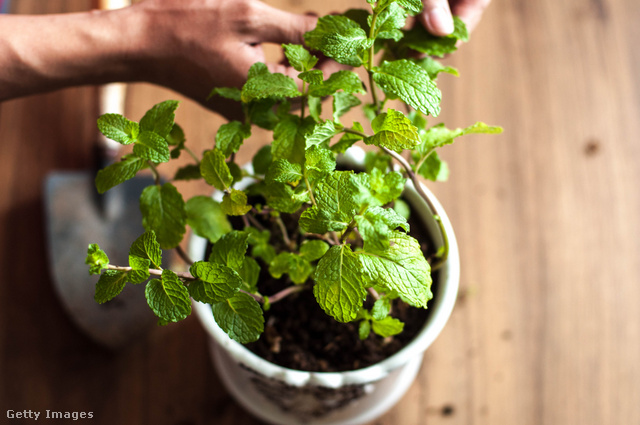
(111, 98)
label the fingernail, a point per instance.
(441, 21)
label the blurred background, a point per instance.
(547, 215)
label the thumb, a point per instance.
(436, 17)
(278, 26)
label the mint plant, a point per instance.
(350, 236)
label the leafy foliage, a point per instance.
(342, 234)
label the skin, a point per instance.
(189, 46)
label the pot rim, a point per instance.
(442, 306)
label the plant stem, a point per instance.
(303, 101)
(255, 222)
(436, 212)
(372, 52)
(154, 171)
(313, 199)
(153, 272)
(278, 296)
(193, 155)
(285, 235)
(374, 293)
(321, 237)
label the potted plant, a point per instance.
(312, 226)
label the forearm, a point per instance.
(48, 52)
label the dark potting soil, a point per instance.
(300, 335)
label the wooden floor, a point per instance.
(547, 215)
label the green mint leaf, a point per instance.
(386, 186)
(289, 138)
(152, 147)
(219, 282)
(119, 172)
(381, 308)
(364, 329)
(438, 135)
(257, 69)
(176, 136)
(348, 139)
(250, 272)
(188, 172)
(261, 113)
(168, 297)
(315, 107)
(230, 136)
(283, 198)
(197, 292)
(206, 218)
(163, 211)
(262, 160)
(234, 202)
(267, 85)
(322, 132)
(236, 171)
(342, 103)
(409, 82)
(159, 119)
(375, 226)
(231, 93)
(339, 287)
(96, 259)
(240, 317)
(360, 16)
(433, 168)
(118, 128)
(316, 220)
(387, 327)
(314, 76)
(347, 81)
(339, 38)
(434, 67)
(259, 239)
(298, 268)
(389, 22)
(313, 250)
(413, 6)
(319, 162)
(402, 208)
(215, 170)
(299, 57)
(110, 284)
(401, 267)
(282, 171)
(394, 131)
(138, 276)
(376, 160)
(419, 39)
(230, 249)
(147, 248)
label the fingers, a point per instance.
(271, 25)
(436, 17)
(470, 11)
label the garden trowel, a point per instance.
(76, 215)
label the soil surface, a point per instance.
(300, 335)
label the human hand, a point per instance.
(436, 15)
(196, 45)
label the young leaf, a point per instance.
(240, 317)
(433, 168)
(188, 172)
(119, 172)
(364, 329)
(419, 39)
(163, 211)
(339, 38)
(146, 247)
(347, 81)
(231, 93)
(315, 107)
(230, 136)
(381, 308)
(386, 186)
(312, 250)
(96, 259)
(159, 119)
(387, 327)
(298, 268)
(176, 136)
(250, 272)
(219, 282)
(151, 146)
(321, 133)
(299, 57)
(288, 140)
(409, 82)
(401, 267)
(318, 162)
(375, 226)
(230, 249)
(234, 202)
(118, 128)
(282, 171)
(215, 170)
(110, 284)
(206, 218)
(313, 77)
(339, 287)
(414, 6)
(348, 139)
(265, 85)
(433, 67)
(394, 131)
(168, 298)
(389, 22)
(438, 135)
(342, 103)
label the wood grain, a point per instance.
(546, 329)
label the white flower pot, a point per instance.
(279, 395)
